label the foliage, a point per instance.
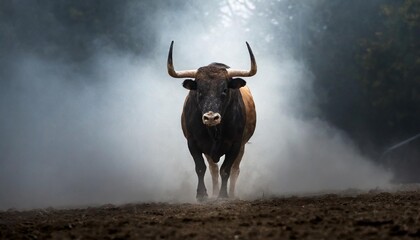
(390, 62)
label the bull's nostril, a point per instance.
(206, 118)
(216, 118)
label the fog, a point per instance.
(106, 129)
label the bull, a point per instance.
(218, 118)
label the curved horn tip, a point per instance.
(248, 46)
(178, 74)
(171, 47)
(170, 66)
(245, 73)
(253, 70)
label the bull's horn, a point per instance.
(245, 73)
(178, 74)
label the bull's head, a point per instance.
(212, 86)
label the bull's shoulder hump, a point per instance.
(247, 98)
(245, 92)
(250, 113)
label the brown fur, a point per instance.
(251, 115)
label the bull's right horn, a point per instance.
(178, 74)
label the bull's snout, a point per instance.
(211, 118)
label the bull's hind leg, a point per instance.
(234, 172)
(214, 171)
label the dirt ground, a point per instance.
(369, 215)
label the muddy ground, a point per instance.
(369, 215)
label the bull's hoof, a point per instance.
(202, 197)
(223, 195)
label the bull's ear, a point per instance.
(236, 83)
(190, 84)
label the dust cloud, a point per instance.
(107, 130)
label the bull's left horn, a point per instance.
(178, 74)
(245, 73)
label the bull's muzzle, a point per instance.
(211, 119)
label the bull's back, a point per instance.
(250, 114)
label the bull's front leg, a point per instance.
(226, 167)
(214, 170)
(200, 169)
